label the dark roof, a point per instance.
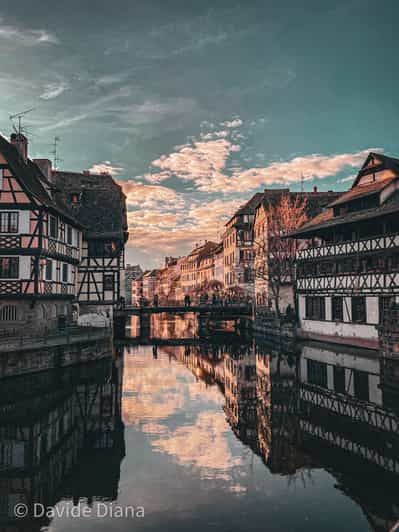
(327, 219)
(102, 206)
(361, 191)
(316, 201)
(32, 179)
(384, 162)
(251, 205)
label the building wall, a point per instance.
(341, 330)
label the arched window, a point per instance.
(8, 313)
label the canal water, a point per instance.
(193, 434)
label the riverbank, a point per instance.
(29, 354)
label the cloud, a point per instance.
(52, 90)
(313, 166)
(25, 36)
(151, 196)
(171, 228)
(237, 122)
(349, 178)
(207, 164)
(201, 162)
(111, 79)
(106, 168)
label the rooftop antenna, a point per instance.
(54, 152)
(19, 116)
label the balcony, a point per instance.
(371, 283)
(365, 245)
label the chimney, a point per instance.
(21, 143)
(315, 190)
(45, 166)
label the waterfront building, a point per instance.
(348, 271)
(197, 267)
(150, 282)
(132, 272)
(137, 291)
(271, 279)
(206, 265)
(238, 248)
(219, 264)
(39, 244)
(99, 204)
(168, 279)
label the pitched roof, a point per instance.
(102, 207)
(385, 162)
(327, 219)
(32, 179)
(361, 191)
(315, 201)
(251, 205)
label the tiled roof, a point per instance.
(102, 205)
(361, 191)
(315, 201)
(32, 179)
(327, 219)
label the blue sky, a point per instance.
(195, 106)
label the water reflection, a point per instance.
(55, 428)
(221, 433)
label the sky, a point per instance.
(194, 106)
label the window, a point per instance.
(9, 267)
(49, 270)
(8, 313)
(65, 273)
(1, 178)
(339, 379)
(359, 314)
(315, 308)
(103, 248)
(108, 281)
(337, 309)
(53, 227)
(317, 373)
(361, 385)
(9, 222)
(384, 304)
(69, 234)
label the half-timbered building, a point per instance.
(238, 248)
(274, 283)
(39, 243)
(348, 271)
(99, 204)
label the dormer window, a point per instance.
(75, 198)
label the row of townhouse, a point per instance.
(228, 266)
(62, 237)
(345, 274)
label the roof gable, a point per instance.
(376, 163)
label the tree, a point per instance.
(275, 253)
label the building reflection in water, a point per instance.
(322, 407)
(319, 409)
(55, 428)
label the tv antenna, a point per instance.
(54, 152)
(19, 116)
